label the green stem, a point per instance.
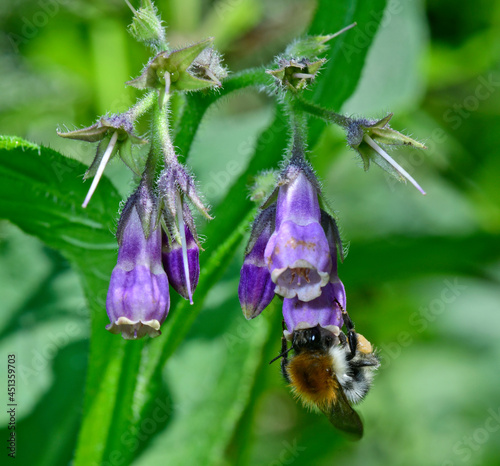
(246, 78)
(162, 141)
(319, 112)
(161, 144)
(298, 123)
(142, 106)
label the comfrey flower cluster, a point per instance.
(157, 241)
(294, 248)
(294, 243)
(292, 252)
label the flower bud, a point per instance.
(256, 289)
(173, 263)
(138, 296)
(147, 27)
(313, 46)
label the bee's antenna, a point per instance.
(281, 355)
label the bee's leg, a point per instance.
(351, 334)
(284, 352)
(342, 338)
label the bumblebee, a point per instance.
(330, 371)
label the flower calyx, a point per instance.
(115, 135)
(365, 137)
(300, 64)
(189, 69)
(176, 184)
(295, 74)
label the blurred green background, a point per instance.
(421, 275)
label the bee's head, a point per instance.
(313, 339)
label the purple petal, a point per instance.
(137, 302)
(323, 310)
(174, 264)
(256, 289)
(299, 260)
(298, 202)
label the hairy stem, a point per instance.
(319, 112)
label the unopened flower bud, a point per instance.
(147, 27)
(312, 46)
(256, 289)
(175, 264)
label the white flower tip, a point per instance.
(100, 169)
(414, 183)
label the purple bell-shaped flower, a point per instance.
(325, 310)
(297, 253)
(138, 297)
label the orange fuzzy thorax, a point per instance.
(312, 379)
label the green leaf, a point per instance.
(41, 192)
(67, 390)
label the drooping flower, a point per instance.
(256, 289)
(138, 296)
(325, 310)
(297, 253)
(181, 245)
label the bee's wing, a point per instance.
(344, 418)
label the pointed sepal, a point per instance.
(182, 67)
